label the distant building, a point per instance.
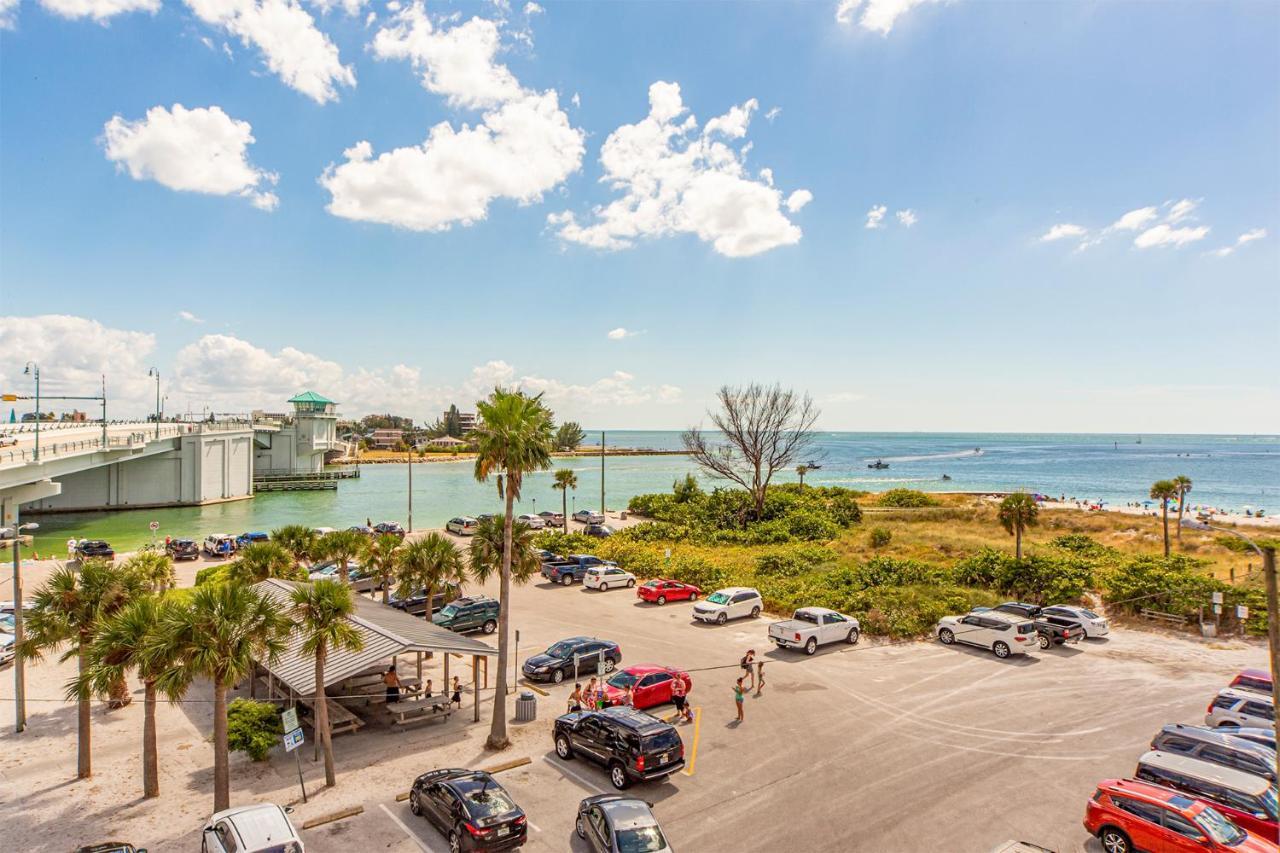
(466, 420)
(443, 441)
(385, 439)
(302, 440)
(75, 416)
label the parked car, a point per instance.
(263, 828)
(322, 531)
(557, 662)
(612, 823)
(1247, 800)
(535, 522)
(634, 746)
(468, 614)
(1232, 707)
(8, 648)
(1003, 633)
(1128, 815)
(218, 545)
(1051, 630)
(416, 603)
(650, 685)
(604, 578)
(1257, 680)
(730, 603)
(1094, 625)
(600, 531)
(588, 516)
(363, 530)
(96, 548)
(250, 538)
(182, 549)
(662, 590)
(1217, 747)
(571, 568)
(552, 519)
(470, 809)
(462, 525)
(111, 847)
(8, 440)
(810, 627)
(392, 528)
(1266, 737)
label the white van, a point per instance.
(263, 828)
(731, 603)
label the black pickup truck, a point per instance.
(1050, 630)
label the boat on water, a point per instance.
(878, 465)
(946, 477)
(812, 465)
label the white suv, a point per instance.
(251, 829)
(1003, 633)
(1233, 707)
(607, 577)
(725, 604)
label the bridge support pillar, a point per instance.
(12, 497)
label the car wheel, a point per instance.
(811, 646)
(580, 827)
(1044, 641)
(693, 596)
(414, 805)
(557, 676)
(631, 582)
(755, 611)
(455, 842)
(662, 599)
(618, 776)
(490, 626)
(1115, 841)
(722, 618)
(946, 637)
(562, 747)
(609, 664)
(852, 639)
(604, 587)
(567, 580)
(1001, 649)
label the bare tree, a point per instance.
(765, 429)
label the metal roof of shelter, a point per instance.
(311, 397)
(384, 630)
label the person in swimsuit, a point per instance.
(737, 697)
(392, 680)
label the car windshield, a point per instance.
(1089, 614)
(1219, 828)
(622, 680)
(448, 611)
(718, 598)
(487, 802)
(640, 840)
(661, 741)
(653, 583)
(562, 649)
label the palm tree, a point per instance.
(342, 546)
(1183, 484)
(1164, 491)
(429, 563)
(565, 479)
(1018, 511)
(261, 560)
(321, 610)
(68, 609)
(298, 539)
(802, 470)
(485, 552)
(126, 641)
(217, 635)
(512, 437)
(156, 567)
(381, 557)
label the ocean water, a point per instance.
(1228, 472)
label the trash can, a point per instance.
(526, 707)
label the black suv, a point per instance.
(95, 548)
(468, 614)
(556, 663)
(633, 745)
(183, 549)
(472, 810)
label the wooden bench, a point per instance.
(408, 713)
(340, 719)
(1156, 615)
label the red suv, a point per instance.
(1128, 815)
(650, 685)
(663, 590)
(1257, 680)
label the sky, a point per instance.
(930, 216)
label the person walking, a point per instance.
(678, 694)
(737, 697)
(392, 680)
(759, 677)
(71, 549)
(747, 670)
(456, 698)
(575, 699)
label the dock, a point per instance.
(302, 481)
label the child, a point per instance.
(456, 698)
(737, 697)
(759, 677)
(678, 693)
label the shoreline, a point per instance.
(464, 456)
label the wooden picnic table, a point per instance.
(340, 719)
(418, 710)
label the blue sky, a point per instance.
(436, 275)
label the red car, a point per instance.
(1127, 816)
(662, 590)
(1257, 680)
(650, 685)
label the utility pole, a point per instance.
(156, 373)
(1273, 631)
(19, 669)
(602, 512)
(411, 506)
(33, 369)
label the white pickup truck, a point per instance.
(810, 627)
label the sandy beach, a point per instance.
(1224, 519)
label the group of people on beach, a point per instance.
(752, 670)
(391, 679)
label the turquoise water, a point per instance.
(1229, 472)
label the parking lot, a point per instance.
(911, 747)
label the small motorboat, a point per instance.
(946, 477)
(812, 465)
(878, 465)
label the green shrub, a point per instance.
(699, 572)
(811, 525)
(560, 542)
(794, 562)
(1079, 543)
(905, 499)
(686, 490)
(844, 509)
(1233, 543)
(887, 571)
(213, 574)
(981, 569)
(879, 537)
(1176, 584)
(253, 727)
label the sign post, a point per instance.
(515, 664)
(293, 739)
(155, 525)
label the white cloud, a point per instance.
(576, 100)
(198, 150)
(1062, 231)
(1181, 210)
(1166, 235)
(875, 216)
(293, 48)
(524, 146)
(189, 317)
(99, 10)
(532, 8)
(621, 333)
(1246, 237)
(877, 15)
(675, 179)
(907, 217)
(797, 200)
(1134, 219)
(773, 113)
(8, 14)
(351, 7)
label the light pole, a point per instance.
(156, 373)
(1268, 554)
(411, 493)
(33, 369)
(19, 674)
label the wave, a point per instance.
(959, 454)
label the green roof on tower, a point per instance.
(311, 397)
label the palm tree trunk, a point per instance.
(386, 589)
(344, 571)
(498, 730)
(1177, 531)
(322, 721)
(84, 763)
(564, 509)
(221, 757)
(1164, 518)
(150, 755)
(1017, 539)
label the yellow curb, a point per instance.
(509, 765)
(330, 818)
(535, 688)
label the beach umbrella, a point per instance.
(13, 417)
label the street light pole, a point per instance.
(33, 369)
(19, 670)
(156, 373)
(411, 493)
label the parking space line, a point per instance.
(697, 730)
(412, 836)
(575, 774)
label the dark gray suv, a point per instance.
(1216, 747)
